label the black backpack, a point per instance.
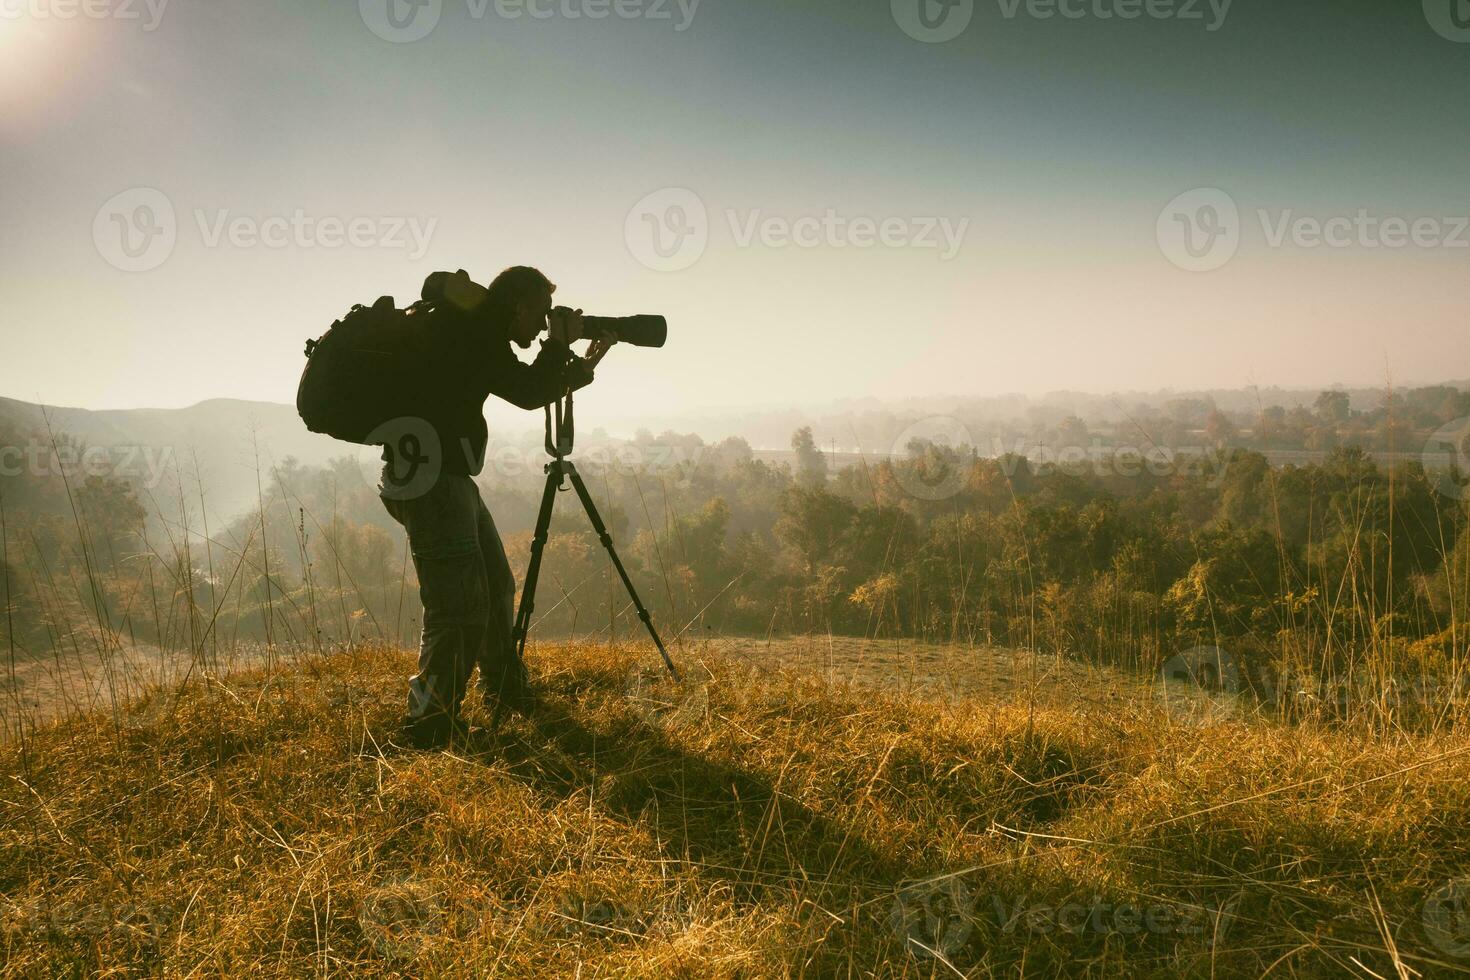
(367, 369)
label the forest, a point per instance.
(1304, 573)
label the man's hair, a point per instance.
(515, 285)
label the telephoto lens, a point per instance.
(640, 330)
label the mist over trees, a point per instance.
(1090, 546)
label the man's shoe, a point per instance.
(433, 732)
(513, 692)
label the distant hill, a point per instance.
(222, 434)
(227, 435)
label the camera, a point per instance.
(640, 330)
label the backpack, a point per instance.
(368, 367)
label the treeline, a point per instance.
(1317, 568)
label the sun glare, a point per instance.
(32, 52)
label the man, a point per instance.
(428, 485)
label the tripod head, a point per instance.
(561, 428)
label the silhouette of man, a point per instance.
(428, 485)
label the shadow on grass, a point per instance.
(727, 823)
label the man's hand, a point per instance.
(565, 324)
(596, 349)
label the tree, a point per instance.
(1271, 426)
(1333, 406)
(1219, 430)
(811, 465)
(813, 521)
(1072, 433)
(112, 517)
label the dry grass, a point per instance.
(768, 823)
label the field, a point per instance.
(802, 808)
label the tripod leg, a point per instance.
(533, 569)
(607, 543)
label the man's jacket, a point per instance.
(465, 358)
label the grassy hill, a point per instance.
(755, 821)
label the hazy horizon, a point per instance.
(882, 216)
(532, 419)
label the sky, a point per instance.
(832, 199)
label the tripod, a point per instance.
(560, 431)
